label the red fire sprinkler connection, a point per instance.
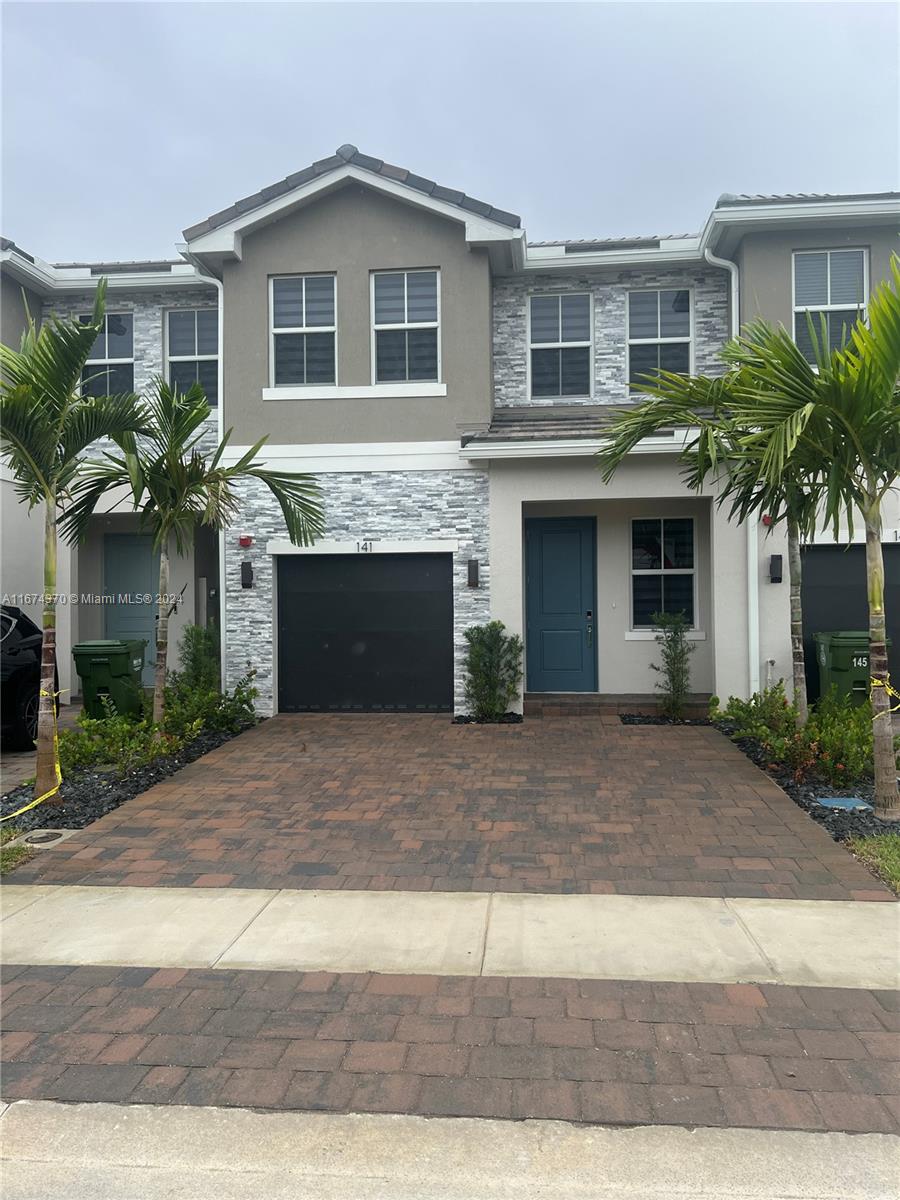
(767, 521)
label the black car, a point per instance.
(20, 656)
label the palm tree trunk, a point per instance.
(162, 633)
(887, 800)
(45, 776)
(795, 572)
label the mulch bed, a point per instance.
(90, 794)
(509, 718)
(840, 823)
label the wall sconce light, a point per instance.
(775, 568)
(245, 540)
(473, 572)
(246, 574)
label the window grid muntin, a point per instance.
(406, 326)
(662, 571)
(681, 340)
(560, 346)
(303, 330)
(858, 311)
(195, 358)
(95, 367)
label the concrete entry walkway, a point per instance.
(687, 939)
(415, 803)
(105, 1152)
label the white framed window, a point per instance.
(829, 284)
(109, 370)
(192, 350)
(302, 329)
(406, 326)
(559, 345)
(663, 575)
(660, 333)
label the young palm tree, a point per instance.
(176, 486)
(831, 429)
(45, 427)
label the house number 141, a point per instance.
(365, 547)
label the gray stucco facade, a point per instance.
(609, 292)
(394, 506)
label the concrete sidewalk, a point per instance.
(106, 1152)
(837, 944)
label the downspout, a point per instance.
(752, 549)
(220, 433)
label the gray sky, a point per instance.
(125, 122)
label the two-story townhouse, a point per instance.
(448, 383)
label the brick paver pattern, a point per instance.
(595, 1051)
(574, 804)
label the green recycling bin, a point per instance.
(110, 668)
(843, 660)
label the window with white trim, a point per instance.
(829, 285)
(192, 350)
(659, 333)
(662, 569)
(109, 370)
(302, 329)
(406, 326)
(560, 345)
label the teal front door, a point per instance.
(131, 573)
(560, 604)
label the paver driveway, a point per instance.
(416, 803)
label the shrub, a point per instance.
(767, 714)
(675, 669)
(842, 732)
(191, 710)
(113, 740)
(493, 669)
(198, 652)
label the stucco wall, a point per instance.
(351, 233)
(766, 265)
(609, 290)
(13, 298)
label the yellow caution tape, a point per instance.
(56, 786)
(891, 691)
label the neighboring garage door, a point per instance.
(365, 633)
(834, 597)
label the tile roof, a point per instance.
(349, 155)
(730, 200)
(6, 244)
(584, 245)
(124, 268)
(547, 423)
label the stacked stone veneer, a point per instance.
(610, 297)
(363, 506)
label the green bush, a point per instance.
(113, 740)
(493, 668)
(766, 714)
(190, 710)
(198, 653)
(675, 668)
(842, 733)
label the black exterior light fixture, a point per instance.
(246, 574)
(473, 572)
(775, 568)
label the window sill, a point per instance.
(370, 391)
(649, 635)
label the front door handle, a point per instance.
(590, 627)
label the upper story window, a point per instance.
(662, 569)
(109, 370)
(830, 284)
(302, 329)
(192, 348)
(406, 326)
(560, 345)
(659, 333)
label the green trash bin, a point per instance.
(110, 668)
(843, 660)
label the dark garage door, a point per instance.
(365, 633)
(834, 597)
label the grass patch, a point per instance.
(881, 854)
(12, 856)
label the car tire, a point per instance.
(25, 728)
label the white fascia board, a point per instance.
(811, 212)
(367, 546)
(568, 448)
(223, 240)
(687, 251)
(336, 457)
(43, 277)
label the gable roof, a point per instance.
(349, 155)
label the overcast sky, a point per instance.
(125, 122)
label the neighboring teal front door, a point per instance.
(560, 604)
(131, 572)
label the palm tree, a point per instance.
(713, 453)
(176, 486)
(832, 428)
(46, 424)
